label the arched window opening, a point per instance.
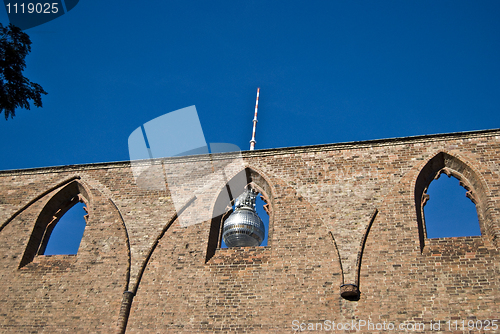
(470, 179)
(224, 206)
(49, 232)
(67, 234)
(448, 211)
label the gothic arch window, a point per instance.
(67, 233)
(448, 212)
(64, 200)
(444, 163)
(246, 179)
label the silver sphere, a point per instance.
(244, 227)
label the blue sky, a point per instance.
(329, 71)
(444, 213)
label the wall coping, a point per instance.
(261, 153)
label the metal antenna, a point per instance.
(252, 142)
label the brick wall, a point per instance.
(343, 217)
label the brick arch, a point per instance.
(251, 174)
(54, 209)
(86, 284)
(35, 199)
(469, 178)
(234, 187)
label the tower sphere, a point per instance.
(244, 227)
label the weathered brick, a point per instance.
(343, 217)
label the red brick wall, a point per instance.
(322, 199)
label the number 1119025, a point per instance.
(471, 325)
(30, 8)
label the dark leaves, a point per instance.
(15, 89)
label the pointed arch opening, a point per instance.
(448, 212)
(444, 163)
(247, 178)
(49, 218)
(65, 236)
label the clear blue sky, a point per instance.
(329, 71)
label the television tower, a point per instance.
(252, 142)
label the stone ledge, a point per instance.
(263, 152)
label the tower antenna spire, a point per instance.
(252, 142)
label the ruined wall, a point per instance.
(346, 243)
